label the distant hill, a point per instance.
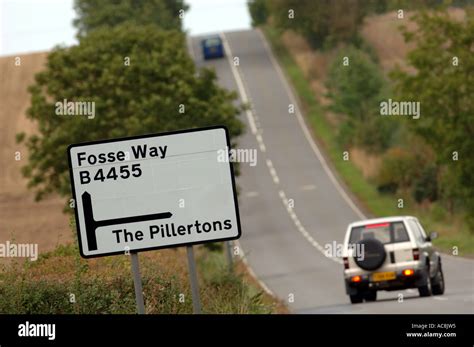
(22, 220)
(383, 34)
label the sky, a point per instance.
(39, 25)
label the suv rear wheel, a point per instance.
(370, 296)
(438, 282)
(356, 298)
(425, 290)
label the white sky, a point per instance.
(206, 16)
(39, 25)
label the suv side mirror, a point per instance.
(433, 235)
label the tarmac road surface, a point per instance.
(285, 246)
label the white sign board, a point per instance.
(153, 191)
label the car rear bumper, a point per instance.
(399, 282)
(216, 54)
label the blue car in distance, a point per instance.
(212, 47)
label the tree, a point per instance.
(320, 22)
(258, 11)
(145, 96)
(93, 14)
(443, 82)
(355, 85)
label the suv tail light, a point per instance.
(416, 254)
(345, 260)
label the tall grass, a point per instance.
(60, 282)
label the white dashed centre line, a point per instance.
(302, 230)
(308, 187)
(260, 143)
(253, 128)
(276, 180)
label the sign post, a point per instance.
(228, 252)
(137, 283)
(154, 191)
(193, 280)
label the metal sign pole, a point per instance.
(228, 251)
(137, 282)
(193, 279)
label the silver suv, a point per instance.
(390, 254)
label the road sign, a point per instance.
(153, 191)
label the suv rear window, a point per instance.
(384, 232)
(212, 42)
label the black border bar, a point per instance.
(272, 330)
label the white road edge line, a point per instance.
(306, 131)
(250, 270)
(240, 84)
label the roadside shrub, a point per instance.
(91, 295)
(322, 23)
(375, 134)
(230, 294)
(24, 297)
(426, 186)
(355, 91)
(398, 169)
(227, 291)
(105, 286)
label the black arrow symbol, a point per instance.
(92, 224)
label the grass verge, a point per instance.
(454, 235)
(60, 282)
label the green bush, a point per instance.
(426, 186)
(231, 294)
(38, 288)
(398, 170)
(227, 291)
(322, 23)
(355, 88)
(355, 91)
(92, 295)
(375, 134)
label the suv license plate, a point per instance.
(383, 276)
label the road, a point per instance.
(291, 204)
